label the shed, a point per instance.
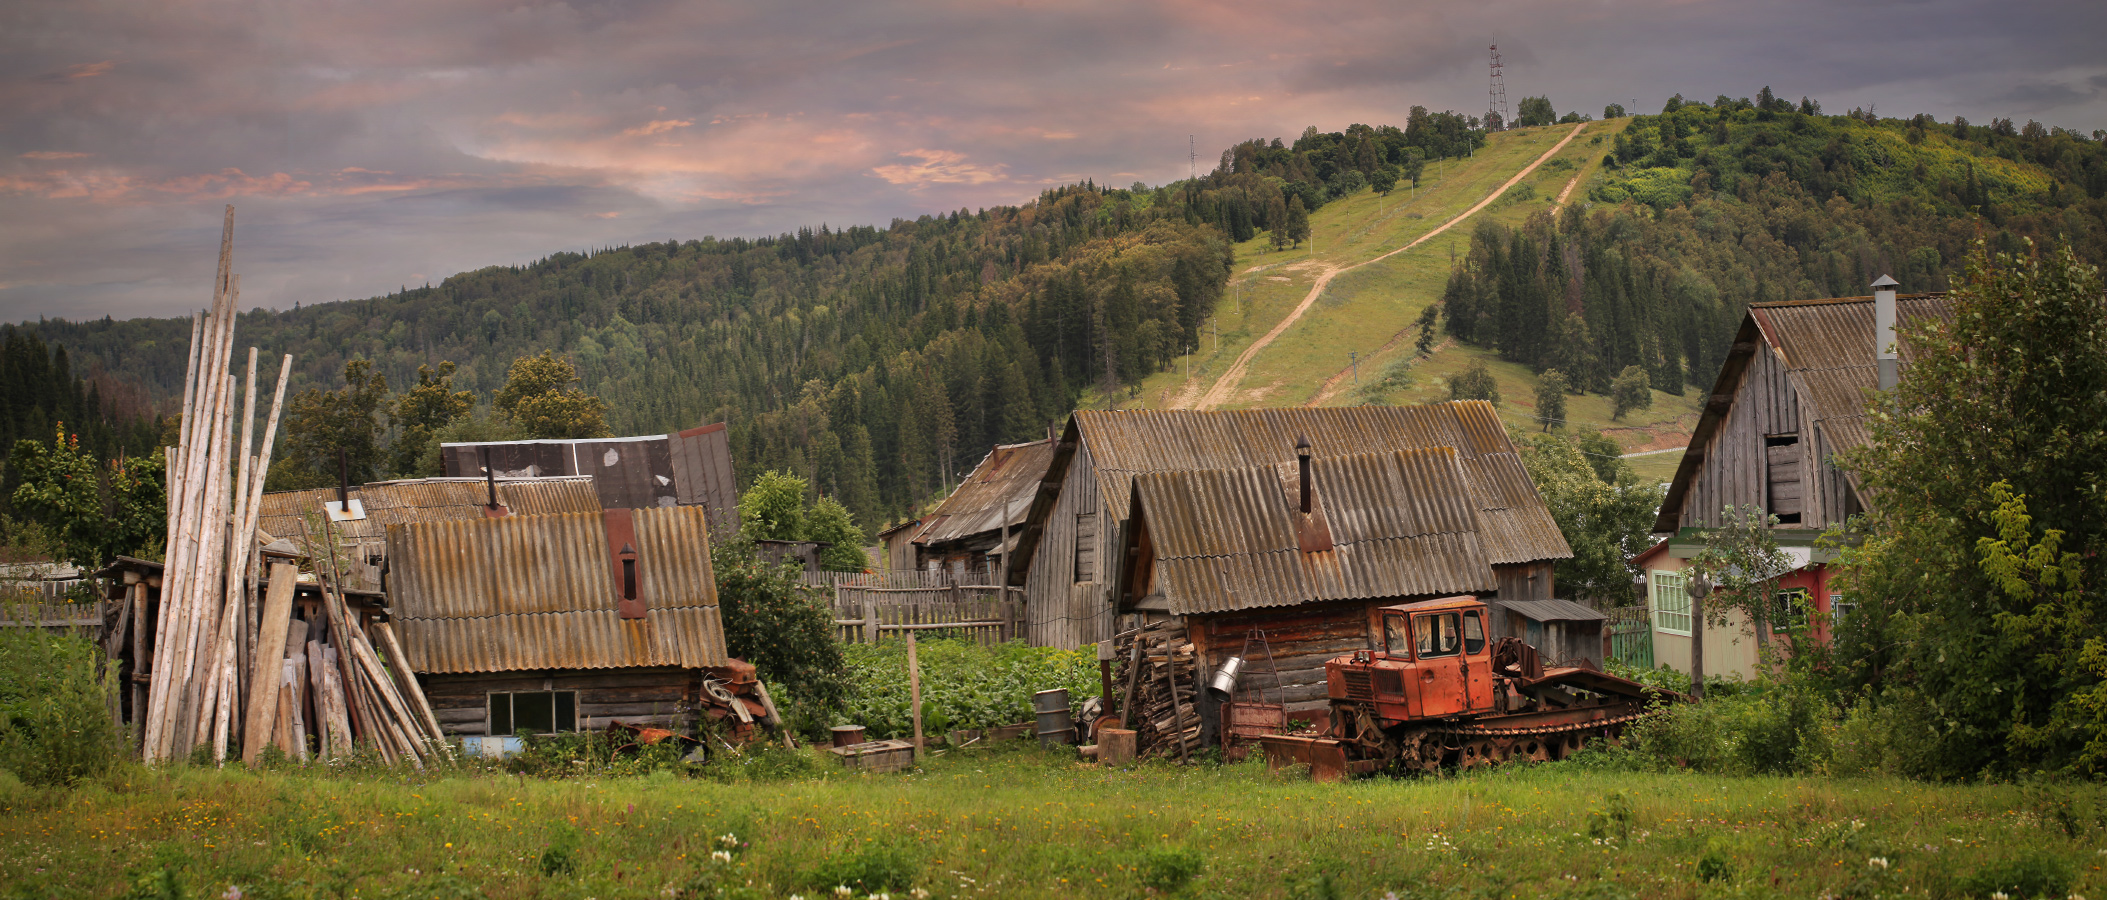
(1563, 632)
(1066, 555)
(688, 468)
(964, 535)
(558, 622)
(1231, 550)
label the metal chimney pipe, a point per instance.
(1884, 332)
(1302, 458)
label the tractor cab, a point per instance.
(1432, 660)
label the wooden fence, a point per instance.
(53, 614)
(986, 613)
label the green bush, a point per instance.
(2022, 878)
(1777, 728)
(965, 685)
(1167, 869)
(55, 726)
(878, 867)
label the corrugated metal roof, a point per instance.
(1828, 351)
(538, 592)
(1514, 523)
(1005, 479)
(416, 500)
(690, 468)
(1402, 524)
(1552, 610)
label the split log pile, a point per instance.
(232, 667)
(1160, 685)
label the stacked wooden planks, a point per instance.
(221, 675)
(1159, 671)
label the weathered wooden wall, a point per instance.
(1060, 610)
(642, 695)
(1735, 468)
(1524, 581)
(1302, 639)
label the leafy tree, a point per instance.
(1298, 224)
(1534, 111)
(1987, 467)
(92, 513)
(1551, 390)
(1631, 390)
(1429, 322)
(1603, 454)
(1613, 111)
(774, 509)
(421, 412)
(319, 423)
(1385, 179)
(1475, 382)
(784, 628)
(1606, 520)
(540, 402)
(1742, 559)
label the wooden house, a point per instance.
(966, 536)
(688, 468)
(1068, 555)
(1790, 398)
(1304, 553)
(558, 622)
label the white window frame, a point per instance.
(1668, 618)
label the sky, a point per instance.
(375, 144)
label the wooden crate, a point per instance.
(876, 756)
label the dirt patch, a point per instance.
(1259, 394)
(1281, 278)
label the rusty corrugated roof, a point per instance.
(1514, 523)
(1005, 479)
(415, 500)
(1402, 525)
(538, 592)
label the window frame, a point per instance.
(1665, 618)
(1433, 634)
(490, 712)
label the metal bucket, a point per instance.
(1048, 701)
(1222, 686)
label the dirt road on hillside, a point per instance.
(1226, 385)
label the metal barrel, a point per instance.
(845, 735)
(1056, 727)
(1222, 687)
(1048, 701)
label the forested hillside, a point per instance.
(1707, 208)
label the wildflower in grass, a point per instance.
(1878, 862)
(842, 891)
(722, 856)
(2000, 895)
(233, 892)
(920, 894)
(729, 840)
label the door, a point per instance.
(1396, 679)
(1438, 646)
(1477, 663)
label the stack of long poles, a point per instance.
(214, 496)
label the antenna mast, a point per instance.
(1192, 157)
(1497, 93)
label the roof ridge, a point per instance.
(1833, 301)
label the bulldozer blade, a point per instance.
(1325, 757)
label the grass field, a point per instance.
(1019, 823)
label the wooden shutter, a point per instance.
(1085, 547)
(1785, 485)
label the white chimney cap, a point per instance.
(1886, 282)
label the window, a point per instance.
(1838, 609)
(1085, 547)
(1396, 641)
(1670, 602)
(1789, 609)
(1473, 634)
(535, 712)
(1438, 635)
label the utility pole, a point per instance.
(1353, 358)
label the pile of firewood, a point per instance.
(1158, 694)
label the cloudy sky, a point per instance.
(377, 143)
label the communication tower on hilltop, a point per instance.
(1192, 157)
(1497, 100)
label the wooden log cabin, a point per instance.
(1069, 552)
(1789, 400)
(558, 622)
(964, 536)
(1304, 552)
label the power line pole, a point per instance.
(1496, 94)
(1192, 157)
(1353, 358)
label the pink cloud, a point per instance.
(659, 126)
(939, 167)
(53, 154)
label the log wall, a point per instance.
(634, 696)
(1302, 639)
(1059, 610)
